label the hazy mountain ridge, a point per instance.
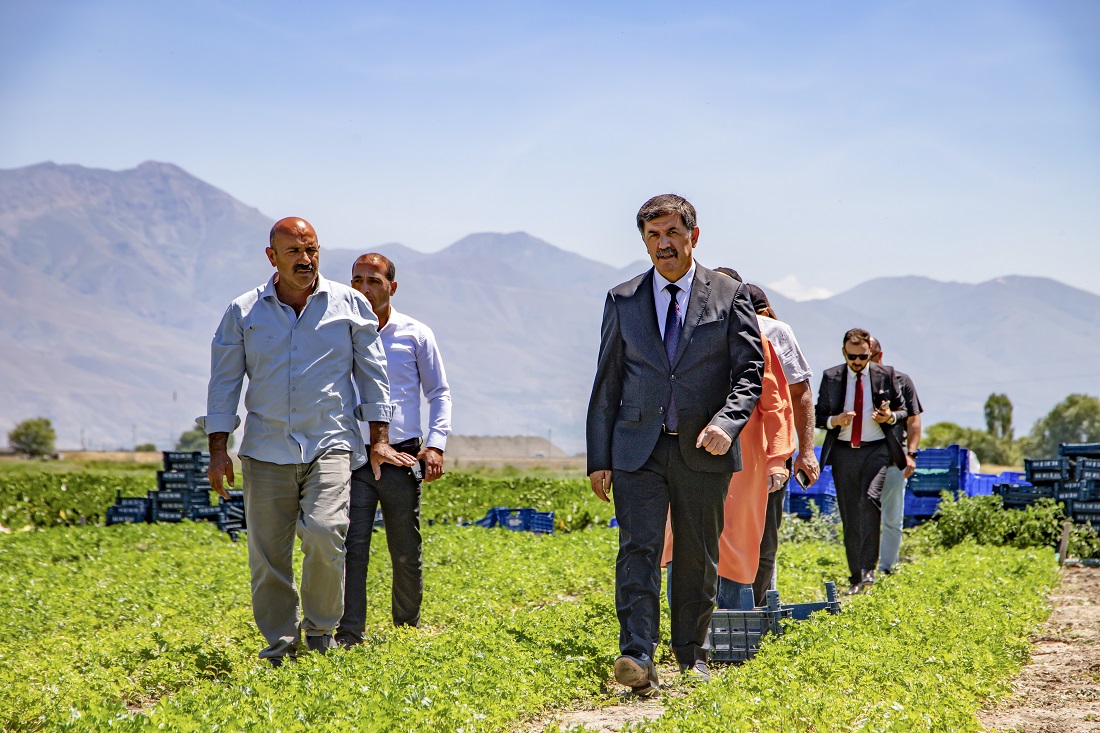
(118, 279)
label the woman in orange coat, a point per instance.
(767, 441)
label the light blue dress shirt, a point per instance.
(413, 364)
(661, 296)
(300, 399)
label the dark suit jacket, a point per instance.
(830, 401)
(715, 374)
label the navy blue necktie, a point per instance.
(672, 342)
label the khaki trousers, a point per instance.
(310, 500)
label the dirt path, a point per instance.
(1059, 692)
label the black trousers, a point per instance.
(399, 494)
(858, 474)
(643, 500)
(769, 546)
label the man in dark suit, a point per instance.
(858, 403)
(678, 376)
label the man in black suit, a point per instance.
(857, 403)
(678, 376)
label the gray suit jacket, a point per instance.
(715, 374)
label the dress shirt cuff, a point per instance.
(374, 412)
(777, 465)
(893, 419)
(436, 440)
(829, 423)
(218, 423)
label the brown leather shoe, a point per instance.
(640, 676)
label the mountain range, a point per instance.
(116, 281)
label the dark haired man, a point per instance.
(893, 487)
(307, 345)
(678, 375)
(414, 366)
(857, 404)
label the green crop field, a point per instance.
(149, 627)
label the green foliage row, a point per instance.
(464, 497)
(149, 627)
(46, 499)
(922, 652)
(984, 519)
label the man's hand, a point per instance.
(714, 440)
(601, 483)
(220, 464)
(384, 453)
(777, 481)
(433, 463)
(844, 419)
(910, 466)
(807, 462)
(883, 414)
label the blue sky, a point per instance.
(823, 144)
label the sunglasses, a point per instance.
(857, 357)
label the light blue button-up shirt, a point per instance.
(300, 399)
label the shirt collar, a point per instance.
(852, 373)
(684, 283)
(269, 289)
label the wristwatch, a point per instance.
(912, 454)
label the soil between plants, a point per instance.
(1059, 691)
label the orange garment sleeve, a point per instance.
(777, 409)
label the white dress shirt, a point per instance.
(414, 365)
(795, 367)
(662, 297)
(872, 431)
(301, 368)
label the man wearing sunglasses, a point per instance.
(857, 403)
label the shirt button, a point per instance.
(293, 389)
(295, 348)
(294, 409)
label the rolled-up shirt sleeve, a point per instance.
(433, 380)
(369, 368)
(227, 369)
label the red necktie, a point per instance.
(857, 407)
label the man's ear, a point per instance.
(270, 256)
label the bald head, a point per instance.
(876, 350)
(294, 228)
(294, 252)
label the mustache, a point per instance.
(304, 268)
(666, 252)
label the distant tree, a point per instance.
(998, 416)
(33, 437)
(1076, 419)
(987, 448)
(146, 448)
(195, 439)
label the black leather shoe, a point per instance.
(698, 672)
(640, 676)
(868, 577)
(320, 644)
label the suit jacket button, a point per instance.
(661, 410)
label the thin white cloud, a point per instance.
(792, 288)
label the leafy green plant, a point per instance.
(922, 651)
(984, 519)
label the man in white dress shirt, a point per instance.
(302, 341)
(414, 366)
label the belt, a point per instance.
(863, 444)
(666, 431)
(412, 445)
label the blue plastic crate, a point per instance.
(799, 504)
(802, 611)
(1046, 470)
(1091, 450)
(1013, 477)
(920, 506)
(519, 520)
(824, 485)
(952, 456)
(1087, 469)
(930, 482)
(980, 484)
(735, 635)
